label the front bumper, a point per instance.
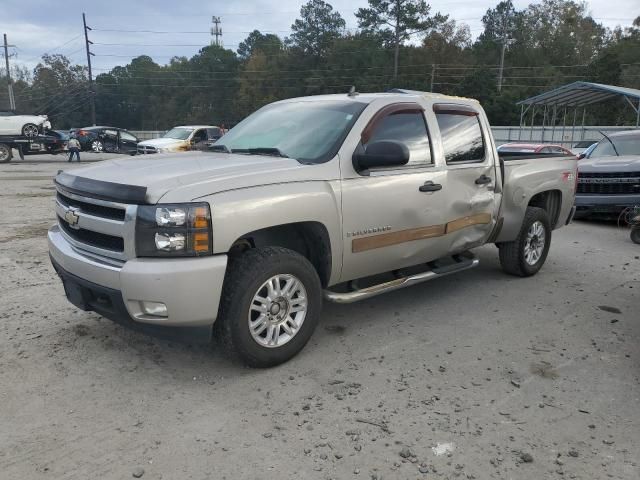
(190, 287)
(595, 204)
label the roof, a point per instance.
(579, 94)
(370, 97)
(626, 133)
(195, 126)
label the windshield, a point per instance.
(309, 131)
(624, 145)
(179, 133)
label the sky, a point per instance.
(40, 26)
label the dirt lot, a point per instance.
(478, 375)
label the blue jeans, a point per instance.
(73, 151)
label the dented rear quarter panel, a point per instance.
(528, 177)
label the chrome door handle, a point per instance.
(483, 180)
(430, 187)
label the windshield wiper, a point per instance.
(219, 148)
(261, 151)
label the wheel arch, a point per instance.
(309, 238)
(551, 202)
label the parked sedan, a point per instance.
(516, 148)
(27, 125)
(106, 139)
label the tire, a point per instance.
(97, 146)
(5, 153)
(247, 278)
(635, 234)
(515, 257)
(30, 130)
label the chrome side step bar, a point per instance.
(463, 262)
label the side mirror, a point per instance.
(384, 153)
(581, 156)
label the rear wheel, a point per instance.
(30, 130)
(97, 146)
(635, 234)
(270, 305)
(527, 253)
(5, 153)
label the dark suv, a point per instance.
(106, 139)
(609, 176)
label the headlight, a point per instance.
(173, 230)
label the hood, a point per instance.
(197, 174)
(626, 163)
(168, 143)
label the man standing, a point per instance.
(74, 148)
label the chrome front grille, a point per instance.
(97, 227)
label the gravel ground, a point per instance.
(478, 375)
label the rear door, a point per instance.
(471, 175)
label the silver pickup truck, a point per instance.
(339, 196)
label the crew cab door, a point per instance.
(471, 175)
(394, 217)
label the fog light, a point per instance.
(157, 309)
(170, 242)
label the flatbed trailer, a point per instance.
(28, 146)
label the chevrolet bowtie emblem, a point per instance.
(71, 216)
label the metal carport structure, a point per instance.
(574, 97)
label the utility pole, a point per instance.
(92, 93)
(216, 31)
(503, 49)
(12, 100)
(433, 76)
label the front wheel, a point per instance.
(527, 253)
(635, 234)
(30, 130)
(270, 305)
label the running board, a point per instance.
(463, 262)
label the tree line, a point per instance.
(398, 44)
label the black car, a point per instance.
(106, 139)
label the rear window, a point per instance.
(461, 135)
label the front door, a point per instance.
(128, 143)
(471, 175)
(394, 218)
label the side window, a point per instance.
(127, 136)
(546, 150)
(199, 136)
(408, 127)
(461, 134)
